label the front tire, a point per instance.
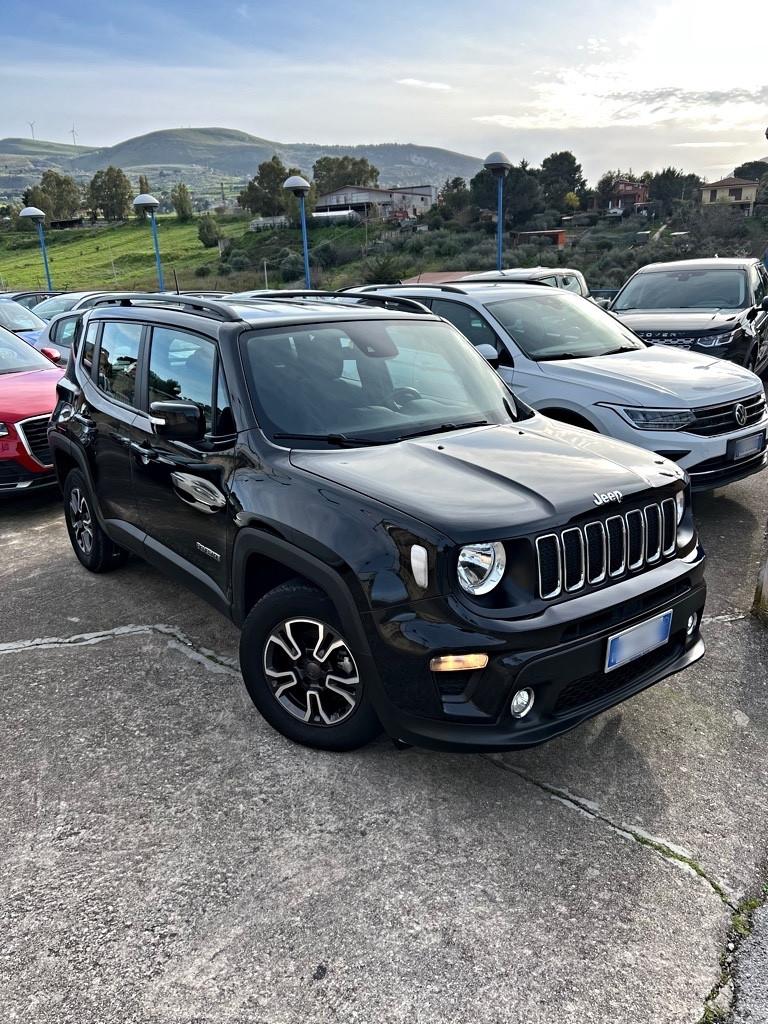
(91, 545)
(302, 672)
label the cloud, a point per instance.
(706, 145)
(418, 83)
(689, 97)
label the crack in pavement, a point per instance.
(177, 640)
(676, 855)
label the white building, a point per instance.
(401, 202)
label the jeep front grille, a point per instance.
(610, 548)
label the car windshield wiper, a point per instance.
(341, 440)
(563, 355)
(615, 351)
(443, 428)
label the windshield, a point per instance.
(17, 355)
(557, 325)
(15, 317)
(370, 382)
(57, 304)
(718, 288)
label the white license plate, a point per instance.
(748, 445)
(637, 640)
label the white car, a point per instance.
(573, 361)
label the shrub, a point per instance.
(208, 231)
(202, 271)
(239, 262)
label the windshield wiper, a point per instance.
(563, 355)
(341, 440)
(615, 351)
(443, 428)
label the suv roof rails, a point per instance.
(456, 288)
(190, 304)
(342, 297)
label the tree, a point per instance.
(522, 193)
(110, 192)
(182, 202)
(752, 170)
(264, 193)
(36, 197)
(208, 231)
(560, 174)
(670, 184)
(332, 172)
(60, 195)
(453, 195)
(144, 189)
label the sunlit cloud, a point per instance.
(418, 83)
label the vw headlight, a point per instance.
(4, 430)
(659, 419)
(481, 566)
(714, 340)
(680, 505)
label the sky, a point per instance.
(624, 86)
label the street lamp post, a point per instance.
(499, 165)
(149, 204)
(300, 187)
(37, 217)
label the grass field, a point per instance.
(104, 257)
(121, 256)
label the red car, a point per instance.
(27, 397)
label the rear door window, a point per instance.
(118, 360)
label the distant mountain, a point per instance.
(230, 152)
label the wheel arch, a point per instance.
(573, 419)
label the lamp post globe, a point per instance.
(37, 217)
(149, 204)
(499, 165)
(300, 187)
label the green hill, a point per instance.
(230, 152)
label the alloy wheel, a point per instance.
(80, 520)
(311, 672)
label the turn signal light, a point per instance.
(458, 662)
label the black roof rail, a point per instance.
(212, 308)
(343, 297)
(368, 288)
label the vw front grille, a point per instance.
(721, 419)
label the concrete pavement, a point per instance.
(169, 858)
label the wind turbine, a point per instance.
(73, 133)
(32, 129)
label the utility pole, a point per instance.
(266, 279)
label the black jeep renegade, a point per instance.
(404, 543)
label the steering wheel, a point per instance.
(402, 396)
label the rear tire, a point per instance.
(92, 546)
(303, 673)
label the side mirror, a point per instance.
(764, 304)
(51, 353)
(603, 303)
(177, 421)
(489, 352)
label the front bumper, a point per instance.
(560, 654)
(703, 458)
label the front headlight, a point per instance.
(481, 566)
(714, 340)
(4, 430)
(659, 419)
(680, 503)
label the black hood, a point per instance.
(489, 481)
(715, 321)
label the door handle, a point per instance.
(146, 455)
(198, 493)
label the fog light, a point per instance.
(690, 629)
(522, 702)
(458, 662)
